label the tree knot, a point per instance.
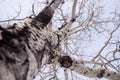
(65, 61)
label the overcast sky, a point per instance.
(9, 8)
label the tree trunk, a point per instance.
(23, 45)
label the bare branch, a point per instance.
(106, 43)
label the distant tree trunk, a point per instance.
(23, 45)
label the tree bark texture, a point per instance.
(23, 45)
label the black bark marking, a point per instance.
(114, 72)
(73, 20)
(108, 74)
(49, 50)
(8, 35)
(14, 39)
(102, 72)
(85, 72)
(12, 27)
(10, 60)
(76, 62)
(44, 18)
(65, 61)
(39, 56)
(63, 25)
(24, 32)
(91, 69)
(34, 23)
(45, 15)
(1, 28)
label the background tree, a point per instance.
(31, 45)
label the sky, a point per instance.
(10, 8)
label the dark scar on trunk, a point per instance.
(65, 61)
(102, 72)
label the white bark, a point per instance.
(79, 67)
